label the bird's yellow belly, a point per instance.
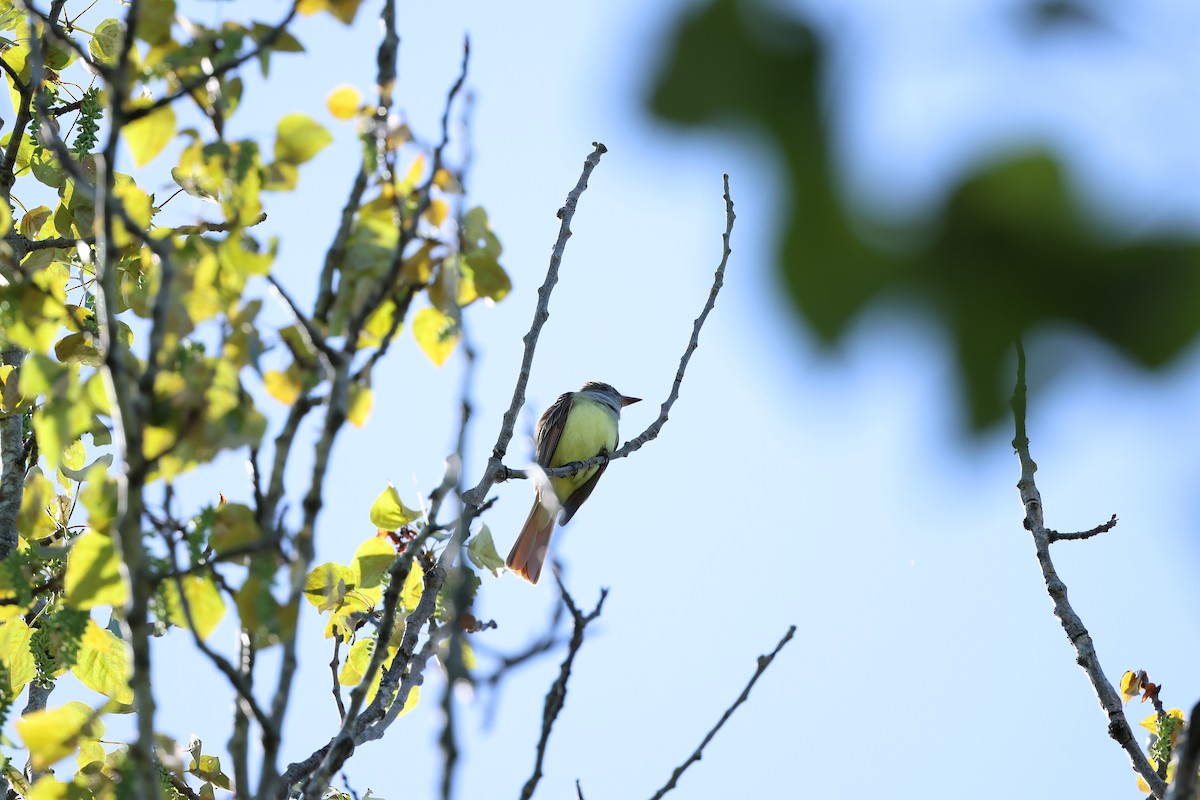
(590, 430)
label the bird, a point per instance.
(578, 426)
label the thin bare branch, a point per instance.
(763, 663)
(557, 696)
(312, 337)
(217, 227)
(1077, 634)
(334, 663)
(1103, 527)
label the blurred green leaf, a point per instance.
(1015, 252)
(298, 138)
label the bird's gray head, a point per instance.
(605, 393)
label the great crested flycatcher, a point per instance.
(577, 427)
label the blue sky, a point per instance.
(835, 490)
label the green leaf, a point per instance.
(149, 135)
(234, 528)
(436, 333)
(54, 734)
(388, 513)
(298, 138)
(154, 21)
(93, 576)
(33, 520)
(482, 552)
(260, 614)
(102, 664)
(106, 43)
(78, 348)
(75, 455)
(372, 559)
(104, 462)
(204, 603)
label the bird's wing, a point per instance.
(550, 428)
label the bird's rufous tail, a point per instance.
(533, 544)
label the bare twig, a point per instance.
(1081, 640)
(763, 663)
(217, 227)
(334, 663)
(312, 337)
(1103, 527)
(557, 696)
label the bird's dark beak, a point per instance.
(628, 401)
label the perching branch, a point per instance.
(495, 466)
(557, 696)
(763, 663)
(1081, 640)
(497, 472)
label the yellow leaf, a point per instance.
(1131, 686)
(389, 513)
(93, 576)
(357, 661)
(298, 138)
(149, 136)
(436, 333)
(437, 212)
(327, 584)
(15, 653)
(281, 386)
(102, 665)
(360, 405)
(344, 101)
(204, 603)
(414, 585)
(372, 559)
(5, 219)
(410, 702)
(53, 734)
